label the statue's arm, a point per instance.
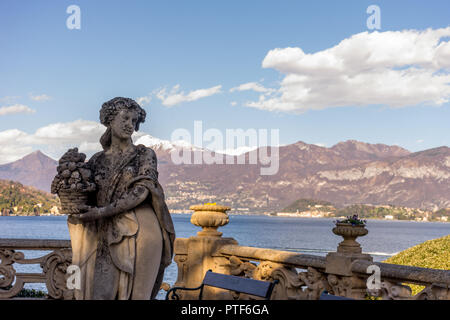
(127, 202)
(130, 200)
(138, 193)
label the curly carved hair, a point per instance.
(111, 108)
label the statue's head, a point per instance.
(121, 116)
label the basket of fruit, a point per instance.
(73, 183)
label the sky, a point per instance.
(317, 71)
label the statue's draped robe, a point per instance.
(105, 249)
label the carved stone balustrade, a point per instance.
(394, 277)
(346, 272)
(53, 265)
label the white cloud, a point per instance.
(9, 135)
(41, 97)
(11, 147)
(68, 132)
(420, 141)
(90, 147)
(9, 99)
(175, 97)
(12, 153)
(17, 108)
(233, 103)
(253, 86)
(143, 101)
(54, 139)
(393, 68)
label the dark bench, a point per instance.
(262, 289)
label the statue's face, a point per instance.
(124, 124)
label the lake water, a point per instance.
(305, 235)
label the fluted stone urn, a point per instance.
(349, 232)
(209, 217)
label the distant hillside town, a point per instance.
(17, 199)
(308, 208)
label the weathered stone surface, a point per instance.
(121, 231)
(300, 276)
(209, 217)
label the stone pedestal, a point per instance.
(339, 264)
(198, 254)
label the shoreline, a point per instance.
(255, 214)
(329, 218)
(342, 217)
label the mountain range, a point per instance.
(347, 173)
(35, 169)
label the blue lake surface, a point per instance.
(305, 235)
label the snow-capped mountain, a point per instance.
(168, 146)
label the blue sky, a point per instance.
(138, 48)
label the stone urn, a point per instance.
(209, 217)
(349, 232)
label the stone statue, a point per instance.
(121, 231)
